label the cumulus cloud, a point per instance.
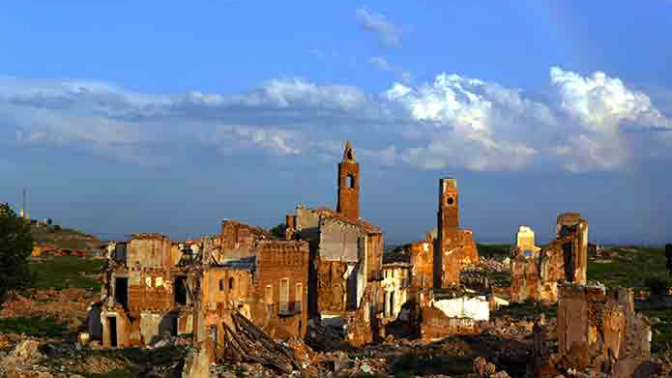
(579, 122)
(468, 123)
(377, 23)
(599, 106)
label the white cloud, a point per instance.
(389, 33)
(582, 123)
(280, 142)
(599, 106)
(468, 123)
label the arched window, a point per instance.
(350, 181)
(221, 285)
(231, 283)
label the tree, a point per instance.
(16, 245)
(668, 256)
(278, 231)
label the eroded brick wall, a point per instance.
(374, 256)
(332, 286)
(598, 328)
(282, 264)
(422, 263)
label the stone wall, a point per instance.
(148, 251)
(535, 274)
(282, 286)
(422, 263)
(598, 328)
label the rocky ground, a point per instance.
(39, 328)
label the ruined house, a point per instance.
(396, 282)
(535, 275)
(599, 329)
(525, 242)
(154, 288)
(346, 252)
(455, 247)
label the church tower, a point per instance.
(348, 185)
(449, 212)
(447, 251)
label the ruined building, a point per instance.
(599, 329)
(346, 253)
(455, 246)
(525, 242)
(535, 274)
(153, 288)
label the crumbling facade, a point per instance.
(455, 246)
(422, 262)
(346, 255)
(535, 274)
(525, 242)
(155, 288)
(396, 280)
(347, 252)
(599, 329)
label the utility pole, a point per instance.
(24, 211)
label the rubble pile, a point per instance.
(67, 306)
(485, 369)
(247, 343)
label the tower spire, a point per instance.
(348, 153)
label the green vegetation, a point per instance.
(36, 326)
(278, 231)
(629, 267)
(66, 271)
(116, 373)
(662, 330)
(16, 244)
(494, 251)
(419, 362)
(63, 238)
(527, 310)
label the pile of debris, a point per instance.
(485, 369)
(247, 343)
(67, 306)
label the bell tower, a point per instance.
(446, 259)
(348, 184)
(449, 212)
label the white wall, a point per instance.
(476, 308)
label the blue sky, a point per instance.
(167, 116)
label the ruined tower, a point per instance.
(448, 251)
(348, 185)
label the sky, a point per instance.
(168, 116)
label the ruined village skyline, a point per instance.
(426, 189)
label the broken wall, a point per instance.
(282, 287)
(240, 238)
(422, 263)
(148, 251)
(396, 279)
(374, 256)
(339, 241)
(598, 328)
(435, 324)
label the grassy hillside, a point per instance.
(61, 272)
(627, 266)
(64, 238)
